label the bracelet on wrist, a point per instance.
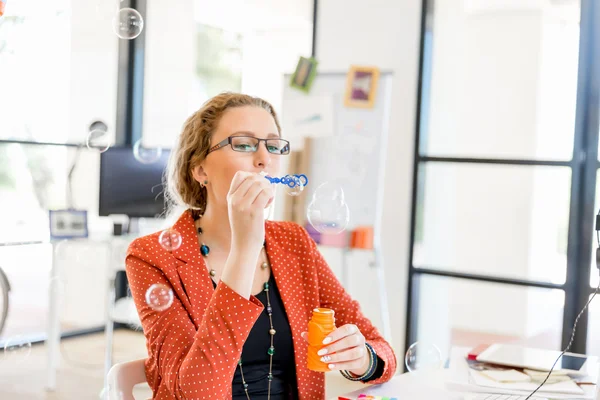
(370, 370)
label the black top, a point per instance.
(255, 360)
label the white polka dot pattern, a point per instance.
(194, 345)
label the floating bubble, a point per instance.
(170, 239)
(331, 193)
(159, 297)
(327, 211)
(423, 356)
(17, 349)
(128, 23)
(98, 140)
(146, 155)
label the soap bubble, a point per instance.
(330, 192)
(423, 356)
(128, 23)
(159, 297)
(294, 186)
(327, 211)
(170, 239)
(17, 349)
(98, 140)
(146, 155)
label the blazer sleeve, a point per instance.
(191, 362)
(347, 311)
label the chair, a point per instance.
(123, 377)
(122, 311)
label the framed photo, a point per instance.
(305, 73)
(361, 87)
(68, 224)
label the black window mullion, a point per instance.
(583, 188)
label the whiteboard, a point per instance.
(348, 145)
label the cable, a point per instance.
(569, 345)
(597, 227)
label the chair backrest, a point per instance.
(123, 377)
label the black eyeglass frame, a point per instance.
(228, 141)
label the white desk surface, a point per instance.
(426, 385)
(417, 385)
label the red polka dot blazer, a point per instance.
(195, 344)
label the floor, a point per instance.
(80, 376)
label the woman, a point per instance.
(244, 288)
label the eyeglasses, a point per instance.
(249, 144)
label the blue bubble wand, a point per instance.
(289, 180)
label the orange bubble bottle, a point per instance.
(321, 324)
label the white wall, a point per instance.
(385, 34)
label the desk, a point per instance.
(426, 385)
(429, 385)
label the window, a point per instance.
(35, 66)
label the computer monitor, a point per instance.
(130, 187)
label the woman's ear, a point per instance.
(199, 174)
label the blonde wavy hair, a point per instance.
(182, 190)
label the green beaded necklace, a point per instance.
(204, 250)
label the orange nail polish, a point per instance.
(321, 324)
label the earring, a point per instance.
(202, 184)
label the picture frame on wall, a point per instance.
(305, 73)
(361, 86)
(68, 224)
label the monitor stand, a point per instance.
(127, 226)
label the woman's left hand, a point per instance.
(346, 350)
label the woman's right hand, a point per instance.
(249, 194)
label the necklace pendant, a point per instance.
(212, 272)
(264, 265)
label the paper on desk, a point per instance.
(507, 376)
(565, 387)
(461, 380)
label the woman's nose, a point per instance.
(262, 157)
